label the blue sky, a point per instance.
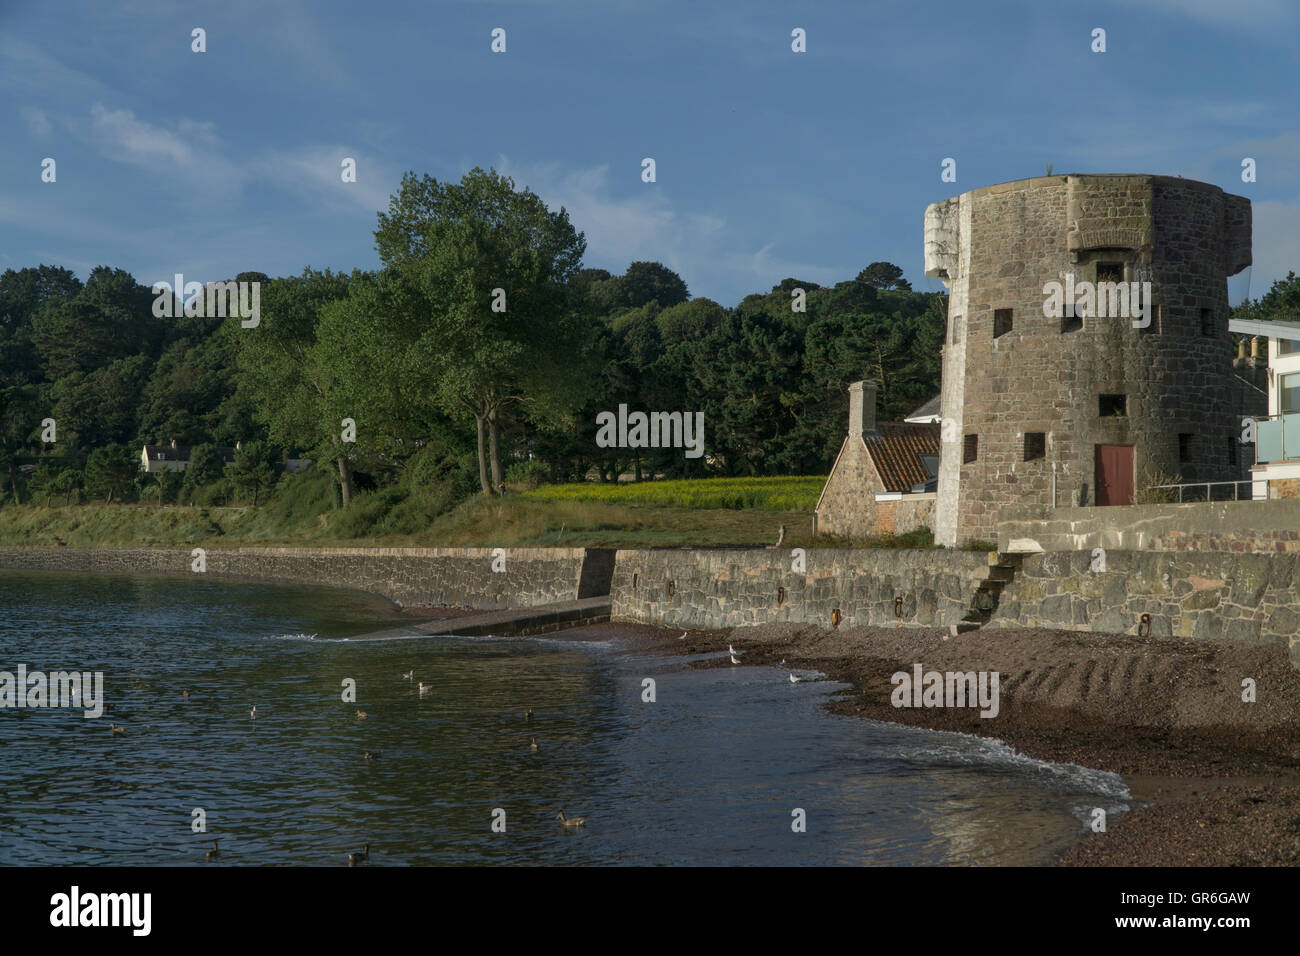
(770, 163)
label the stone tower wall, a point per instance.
(996, 248)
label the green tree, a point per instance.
(206, 466)
(67, 483)
(284, 380)
(257, 467)
(884, 275)
(111, 471)
(23, 292)
(20, 424)
(454, 244)
(652, 282)
(168, 484)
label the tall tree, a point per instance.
(22, 293)
(499, 330)
(111, 471)
(283, 378)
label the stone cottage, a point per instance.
(883, 480)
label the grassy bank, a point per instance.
(718, 512)
(513, 522)
(783, 494)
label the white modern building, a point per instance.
(1277, 437)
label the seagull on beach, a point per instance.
(734, 652)
(734, 660)
(683, 637)
(409, 675)
(795, 680)
(782, 664)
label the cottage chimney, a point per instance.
(862, 409)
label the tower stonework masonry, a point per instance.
(1083, 409)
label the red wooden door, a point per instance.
(1114, 475)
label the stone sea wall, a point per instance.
(415, 577)
(730, 588)
(1236, 526)
(1187, 594)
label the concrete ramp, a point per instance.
(514, 623)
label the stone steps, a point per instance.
(1002, 571)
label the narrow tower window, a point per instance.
(1001, 322)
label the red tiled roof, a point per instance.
(897, 453)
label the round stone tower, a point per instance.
(1088, 353)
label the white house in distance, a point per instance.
(176, 457)
(1276, 472)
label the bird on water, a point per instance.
(213, 853)
(795, 680)
(532, 745)
(361, 715)
(409, 675)
(253, 712)
(114, 728)
(355, 858)
(528, 714)
(570, 821)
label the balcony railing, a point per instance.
(1210, 490)
(1277, 438)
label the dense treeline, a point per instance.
(480, 352)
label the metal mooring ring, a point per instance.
(1144, 626)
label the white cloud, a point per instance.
(316, 171)
(135, 140)
(716, 259)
